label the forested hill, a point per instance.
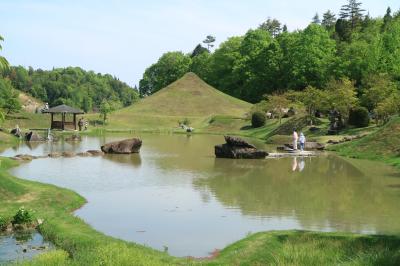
(269, 59)
(72, 86)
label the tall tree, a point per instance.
(387, 18)
(3, 61)
(273, 26)
(316, 19)
(328, 20)
(199, 49)
(352, 12)
(209, 41)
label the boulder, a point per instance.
(54, 155)
(310, 145)
(73, 137)
(95, 152)
(26, 157)
(68, 154)
(236, 148)
(331, 141)
(32, 136)
(16, 132)
(123, 147)
(84, 154)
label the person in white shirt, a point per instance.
(295, 139)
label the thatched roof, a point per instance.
(63, 109)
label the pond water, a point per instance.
(176, 194)
(22, 245)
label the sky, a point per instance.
(124, 37)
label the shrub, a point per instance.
(185, 122)
(359, 117)
(23, 217)
(3, 223)
(258, 119)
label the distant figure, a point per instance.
(294, 164)
(295, 139)
(302, 141)
(80, 124)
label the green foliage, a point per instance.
(23, 216)
(72, 86)
(185, 122)
(258, 119)
(3, 223)
(341, 96)
(359, 117)
(170, 67)
(8, 97)
(106, 107)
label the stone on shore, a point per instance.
(95, 152)
(84, 154)
(32, 136)
(68, 154)
(126, 146)
(236, 148)
(54, 154)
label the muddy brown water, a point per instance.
(176, 194)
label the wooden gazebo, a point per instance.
(65, 111)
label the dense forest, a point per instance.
(348, 50)
(72, 86)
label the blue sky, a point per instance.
(124, 37)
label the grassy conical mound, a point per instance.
(189, 97)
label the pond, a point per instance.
(176, 195)
(21, 246)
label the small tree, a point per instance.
(359, 117)
(108, 106)
(277, 103)
(313, 100)
(341, 96)
(387, 108)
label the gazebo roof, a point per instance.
(63, 109)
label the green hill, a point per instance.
(189, 97)
(384, 144)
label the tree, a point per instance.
(273, 26)
(198, 50)
(376, 88)
(341, 96)
(314, 100)
(352, 12)
(8, 97)
(328, 20)
(387, 18)
(3, 62)
(388, 107)
(277, 103)
(201, 65)
(209, 41)
(316, 19)
(106, 107)
(170, 67)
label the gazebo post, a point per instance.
(63, 121)
(52, 119)
(75, 121)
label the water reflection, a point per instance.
(177, 194)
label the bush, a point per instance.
(359, 117)
(258, 119)
(23, 217)
(3, 223)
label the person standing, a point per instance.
(80, 124)
(295, 139)
(302, 141)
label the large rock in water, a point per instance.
(236, 148)
(32, 136)
(123, 147)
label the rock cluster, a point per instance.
(309, 145)
(237, 148)
(123, 146)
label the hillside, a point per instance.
(384, 144)
(189, 97)
(28, 103)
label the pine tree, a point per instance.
(387, 18)
(352, 12)
(273, 26)
(328, 20)
(316, 19)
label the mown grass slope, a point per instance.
(189, 97)
(383, 144)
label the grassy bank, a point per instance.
(381, 145)
(79, 244)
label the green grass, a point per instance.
(381, 145)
